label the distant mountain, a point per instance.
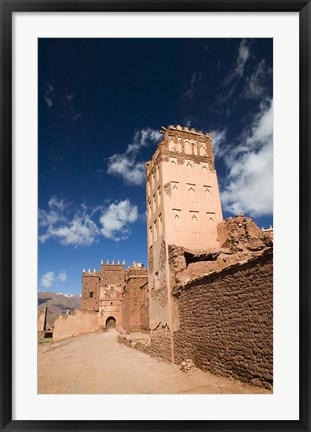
(57, 303)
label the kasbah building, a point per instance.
(206, 296)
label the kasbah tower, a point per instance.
(183, 209)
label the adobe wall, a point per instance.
(226, 321)
(112, 308)
(135, 301)
(144, 311)
(112, 274)
(42, 319)
(81, 322)
(90, 290)
(111, 288)
(160, 346)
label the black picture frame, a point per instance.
(7, 8)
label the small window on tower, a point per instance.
(91, 294)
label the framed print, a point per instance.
(155, 215)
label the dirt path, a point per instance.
(98, 364)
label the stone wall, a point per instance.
(135, 301)
(226, 321)
(161, 343)
(81, 322)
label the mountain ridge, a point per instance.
(57, 303)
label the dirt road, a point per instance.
(98, 364)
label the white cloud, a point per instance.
(49, 95)
(249, 188)
(262, 127)
(57, 203)
(126, 165)
(76, 117)
(218, 140)
(195, 78)
(62, 276)
(55, 213)
(255, 85)
(65, 104)
(48, 279)
(189, 121)
(243, 56)
(80, 231)
(69, 108)
(48, 101)
(78, 228)
(143, 138)
(116, 220)
(132, 172)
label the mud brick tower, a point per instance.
(183, 209)
(102, 292)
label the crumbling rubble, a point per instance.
(242, 234)
(186, 365)
(240, 239)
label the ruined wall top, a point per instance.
(136, 272)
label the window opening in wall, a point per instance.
(211, 224)
(175, 194)
(111, 303)
(195, 148)
(159, 195)
(187, 147)
(160, 225)
(155, 231)
(202, 150)
(150, 235)
(191, 193)
(177, 222)
(194, 223)
(208, 193)
(189, 165)
(91, 294)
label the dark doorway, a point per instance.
(110, 323)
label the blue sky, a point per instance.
(101, 105)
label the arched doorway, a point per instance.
(110, 323)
